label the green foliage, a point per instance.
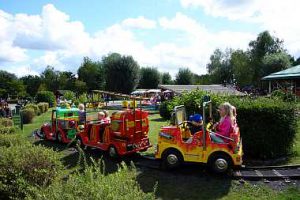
(242, 71)
(34, 107)
(69, 96)
(150, 78)
(6, 122)
(10, 85)
(275, 62)
(43, 107)
(92, 74)
(164, 111)
(82, 98)
(267, 126)
(121, 73)
(32, 84)
(46, 96)
(184, 77)
(284, 96)
(50, 78)
(27, 115)
(7, 140)
(92, 183)
(24, 166)
(166, 78)
(7, 130)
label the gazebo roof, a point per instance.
(290, 73)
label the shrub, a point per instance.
(284, 96)
(267, 126)
(22, 167)
(7, 130)
(43, 107)
(27, 115)
(164, 111)
(34, 107)
(12, 140)
(93, 184)
(69, 96)
(6, 122)
(46, 96)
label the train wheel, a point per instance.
(79, 143)
(112, 152)
(171, 159)
(220, 163)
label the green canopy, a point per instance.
(290, 73)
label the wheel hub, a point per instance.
(172, 159)
(112, 152)
(221, 164)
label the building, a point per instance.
(286, 80)
(215, 89)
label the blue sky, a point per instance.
(167, 34)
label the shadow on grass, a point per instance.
(189, 182)
(158, 120)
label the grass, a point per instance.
(189, 182)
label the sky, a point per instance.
(167, 34)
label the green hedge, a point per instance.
(46, 96)
(267, 126)
(25, 166)
(12, 140)
(6, 122)
(34, 107)
(7, 130)
(43, 107)
(94, 184)
(27, 115)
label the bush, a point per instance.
(284, 96)
(27, 115)
(7, 130)
(267, 126)
(6, 122)
(22, 167)
(93, 184)
(43, 107)
(46, 96)
(69, 96)
(164, 111)
(34, 107)
(12, 140)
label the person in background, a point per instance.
(107, 118)
(7, 110)
(81, 114)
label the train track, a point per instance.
(265, 173)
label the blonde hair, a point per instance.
(228, 111)
(81, 106)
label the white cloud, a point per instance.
(279, 17)
(139, 22)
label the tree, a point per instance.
(275, 62)
(184, 77)
(10, 85)
(219, 68)
(265, 44)
(296, 62)
(32, 84)
(50, 78)
(149, 78)
(66, 80)
(80, 86)
(242, 71)
(166, 78)
(92, 73)
(121, 73)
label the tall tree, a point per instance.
(32, 84)
(10, 85)
(50, 78)
(121, 73)
(275, 62)
(184, 77)
(264, 44)
(149, 78)
(242, 71)
(166, 78)
(92, 73)
(66, 80)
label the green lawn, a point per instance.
(187, 183)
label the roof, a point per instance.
(216, 89)
(290, 73)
